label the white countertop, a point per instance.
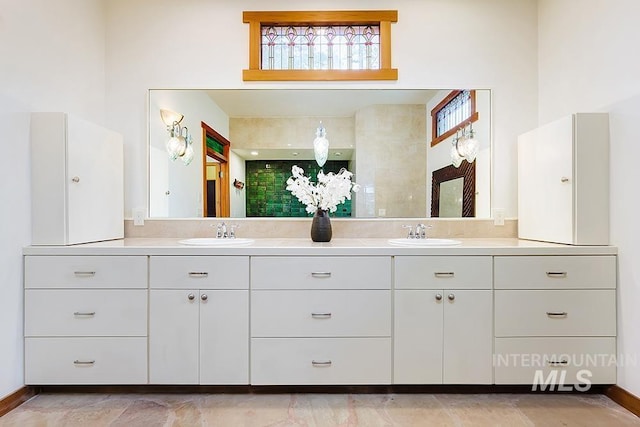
(304, 246)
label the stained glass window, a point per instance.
(320, 45)
(456, 110)
(333, 47)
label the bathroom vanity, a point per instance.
(294, 312)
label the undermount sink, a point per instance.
(212, 241)
(424, 242)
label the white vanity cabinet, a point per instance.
(320, 320)
(443, 320)
(85, 320)
(77, 190)
(199, 320)
(563, 181)
(555, 313)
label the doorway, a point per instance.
(215, 173)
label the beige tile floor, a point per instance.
(90, 410)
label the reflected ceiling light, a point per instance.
(464, 146)
(321, 146)
(180, 143)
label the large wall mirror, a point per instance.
(245, 141)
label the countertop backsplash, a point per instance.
(342, 228)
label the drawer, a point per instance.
(321, 272)
(316, 313)
(294, 361)
(85, 312)
(85, 272)
(555, 272)
(555, 313)
(443, 272)
(86, 360)
(199, 272)
(517, 360)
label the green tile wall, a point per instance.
(266, 187)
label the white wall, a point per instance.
(494, 46)
(52, 58)
(589, 62)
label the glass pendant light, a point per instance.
(321, 146)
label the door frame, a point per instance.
(223, 158)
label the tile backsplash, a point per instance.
(342, 227)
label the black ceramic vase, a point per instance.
(321, 226)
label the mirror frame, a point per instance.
(466, 171)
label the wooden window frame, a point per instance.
(435, 139)
(256, 19)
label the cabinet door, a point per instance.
(545, 182)
(173, 336)
(94, 181)
(468, 336)
(418, 337)
(224, 337)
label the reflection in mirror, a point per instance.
(383, 136)
(453, 191)
(451, 198)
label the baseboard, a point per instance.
(16, 399)
(328, 389)
(623, 398)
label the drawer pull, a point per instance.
(557, 313)
(198, 274)
(84, 273)
(84, 362)
(444, 274)
(558, 362)
(84, 313)
(321, 274)
(557, 274)
(321, 315)
(321, 364)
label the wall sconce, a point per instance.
(180, 143)
(238, 184)
(321, 146)
(464, 146)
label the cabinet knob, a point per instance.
(451, 297)
(204, 297)
(564, 179)
(167, 192)
(438, 297)
(191, 297)
(75, 179)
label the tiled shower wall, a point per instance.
(266, 182)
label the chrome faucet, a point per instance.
(421, 231)
(221, 231)
(410, 235)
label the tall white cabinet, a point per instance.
(77, 182)
(563, 181)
